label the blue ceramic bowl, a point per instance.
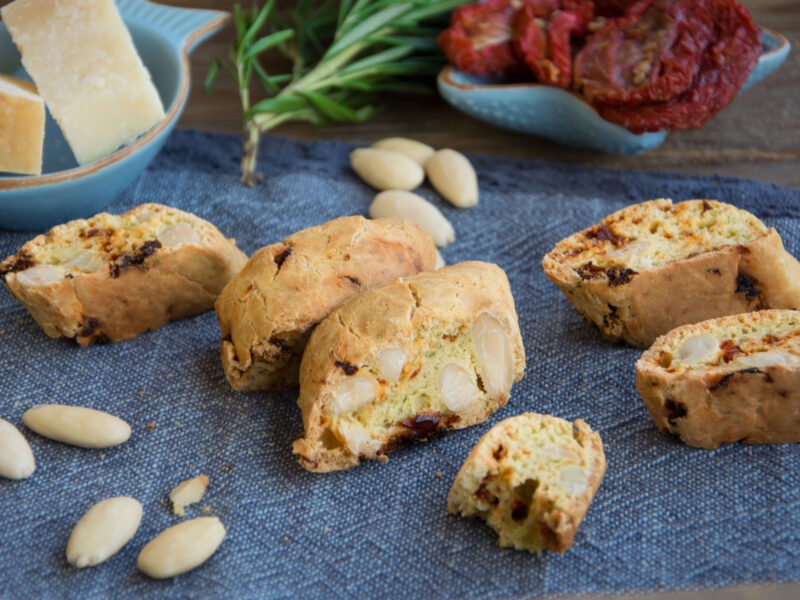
(565, 117)
(164, 36)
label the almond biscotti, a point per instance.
(397, 363)
(112, 277)
(735, 378)
(531, 478)
(651, 267)
(267, 312)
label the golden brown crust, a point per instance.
(727, 399)
(141, 285)
(395, 315)
(639, 306)
(267, 312)
(494, 482)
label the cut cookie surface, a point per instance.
(436, 351)
(267, 311)
(531, 478)
(112, 277)
(724, 380)
(654, 266)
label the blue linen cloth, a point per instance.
(666, 516)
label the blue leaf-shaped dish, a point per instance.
(163, 35)
(563, 116)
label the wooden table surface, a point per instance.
(757, 136)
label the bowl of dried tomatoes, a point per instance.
(612, 75)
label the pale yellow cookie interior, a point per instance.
(87, 245)
(657, 233)
(733, 343)
(438, 375)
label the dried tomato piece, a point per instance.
(543, 32)
(725, 66)
(611, 8)
(478, 40)
(651, 54)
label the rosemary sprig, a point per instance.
(342, 54)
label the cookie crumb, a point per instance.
(286, 538)
(439, 474)
(151, 425)
(188, 492)
(327, 529)
(227, 468)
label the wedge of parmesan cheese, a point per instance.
(81, 57)
(21, 127)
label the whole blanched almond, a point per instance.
(452, 175)
(103, 531)
(181, 547)
(417, 150)
(77, 425)
(386, 169)
(408, 206)
(16, 456)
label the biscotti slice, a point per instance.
(735, 378)
(653, 266)
(531, 478)
(412, 357)
(112, 277)
(267, 312)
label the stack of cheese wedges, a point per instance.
(85, 69)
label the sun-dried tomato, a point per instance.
(651, 54)
(543, 33)
(478, 40)
(611, 8)
(724, 67)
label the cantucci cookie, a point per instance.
(531, 478)
(653, 266)
(418, 355)
(112, 277)
(267, 312)
(735, 378)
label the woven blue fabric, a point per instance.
(666, 516)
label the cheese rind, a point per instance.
(21, 127)
(82, 59)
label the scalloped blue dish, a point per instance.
(563, 116)
(164, 36)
